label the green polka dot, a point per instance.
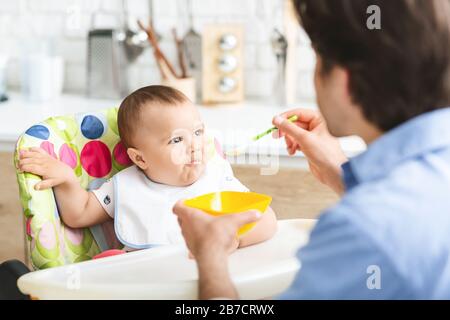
(74, 248)
(27, 213)
(51, 264)
(87, 239)
(81, 258)
(111, 116)
(84, 246)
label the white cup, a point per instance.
(3, 62)
(42, 77)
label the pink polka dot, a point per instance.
(47, 236)
(29, 226)
(120, 154)
(75, 236)
(49, 148)
(68, 156)
(96, 159)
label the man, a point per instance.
(389, 236)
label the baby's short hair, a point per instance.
(131, 108)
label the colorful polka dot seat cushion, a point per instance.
(90, 144)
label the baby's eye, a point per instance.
(198, 132)
(176, 140)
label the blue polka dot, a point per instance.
(39, 131)
(92, 127)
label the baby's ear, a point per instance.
(137, 158)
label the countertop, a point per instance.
(232, 124)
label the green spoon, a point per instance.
(240, 150)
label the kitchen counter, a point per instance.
(232, 124)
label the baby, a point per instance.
(165, 139)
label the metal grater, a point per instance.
(107, 65)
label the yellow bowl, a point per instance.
(230, 202)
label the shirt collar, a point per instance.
(422, 134)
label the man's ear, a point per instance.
(138, 158)
(339, 79)
(344, 75)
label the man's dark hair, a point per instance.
(130, 110)
(397, 72)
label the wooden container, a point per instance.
(185, 85)
(223, 63)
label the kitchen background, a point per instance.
(44, 72)
(60, 27)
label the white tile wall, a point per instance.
(67, 23)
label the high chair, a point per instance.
(90, 144)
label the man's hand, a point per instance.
(310, 135)
(233, 248)
(206, 235)
(53, 172)
(210, 239)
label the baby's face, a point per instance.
(172, 144)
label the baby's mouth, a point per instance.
(197, 159)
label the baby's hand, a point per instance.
(53, 172)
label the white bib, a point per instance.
(143, 209)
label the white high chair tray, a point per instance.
(259, 271)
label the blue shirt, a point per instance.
(389, 236)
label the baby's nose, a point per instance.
(196, 151)
(195, 145)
